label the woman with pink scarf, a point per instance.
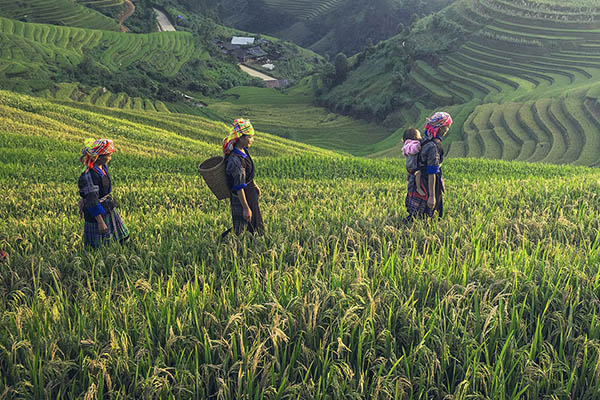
(424, 202)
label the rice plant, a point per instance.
(341, 299)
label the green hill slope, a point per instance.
(60, 12)
(499, 299)
(156, 65)
(517, 74)
(293, 115)
(326, 26)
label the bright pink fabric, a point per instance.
(411, 147)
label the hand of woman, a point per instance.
(431, 202)
(102, 228)
(258, 190)
(247, 214)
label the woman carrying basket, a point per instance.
(239, 170)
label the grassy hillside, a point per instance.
(340, 299)
(61, 12)
(156, 65)
(326, 26)
(518, 76)
(292, 115)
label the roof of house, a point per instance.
(257, 52)
(240, 53)
(229, 46)
(242, 40)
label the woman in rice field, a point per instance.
(430, 160)
(102, 222)
(239, 170)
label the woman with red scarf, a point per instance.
(102, 221)
(430, 161)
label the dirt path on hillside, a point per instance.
(126, 13)
(255, 73)
(163, 21)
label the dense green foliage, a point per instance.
(292, 62)
(500, 299)
(143, 19)
(325, 26)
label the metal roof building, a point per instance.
(244, 41)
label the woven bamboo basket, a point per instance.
(213, 172)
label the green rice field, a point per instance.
(340, 299)
(61, 12)
(293, 115)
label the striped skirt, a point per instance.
(256, 226)
(116, 230)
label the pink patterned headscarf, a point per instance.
(434, 124)
(94, 149)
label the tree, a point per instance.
(341, 68)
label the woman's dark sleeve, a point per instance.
(432, 158)
(89, 192)
(236, 170)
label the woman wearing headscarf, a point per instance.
(102, 222)
(430, 162)
(239, 170)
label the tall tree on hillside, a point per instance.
(341, 68)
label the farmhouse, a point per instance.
(242, 41)
(245, 50)
(256, 52)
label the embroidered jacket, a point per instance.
(95, 185)
(239, 169)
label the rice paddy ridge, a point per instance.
(30, 48)
(61, 12)
(102, 3)
(303, 9)
(102, 97)
(499, 299)
(76, 121)
(520, 53)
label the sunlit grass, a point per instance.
(341, 299)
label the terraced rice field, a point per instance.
(523, 58)
(101, 97)
(303, 9)
(61, 12)
(27, 47)
(563, 129)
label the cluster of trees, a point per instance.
(348, 86)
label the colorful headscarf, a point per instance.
(240, 127)
(434, 124)
(94, 149)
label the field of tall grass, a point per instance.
(340, 299)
